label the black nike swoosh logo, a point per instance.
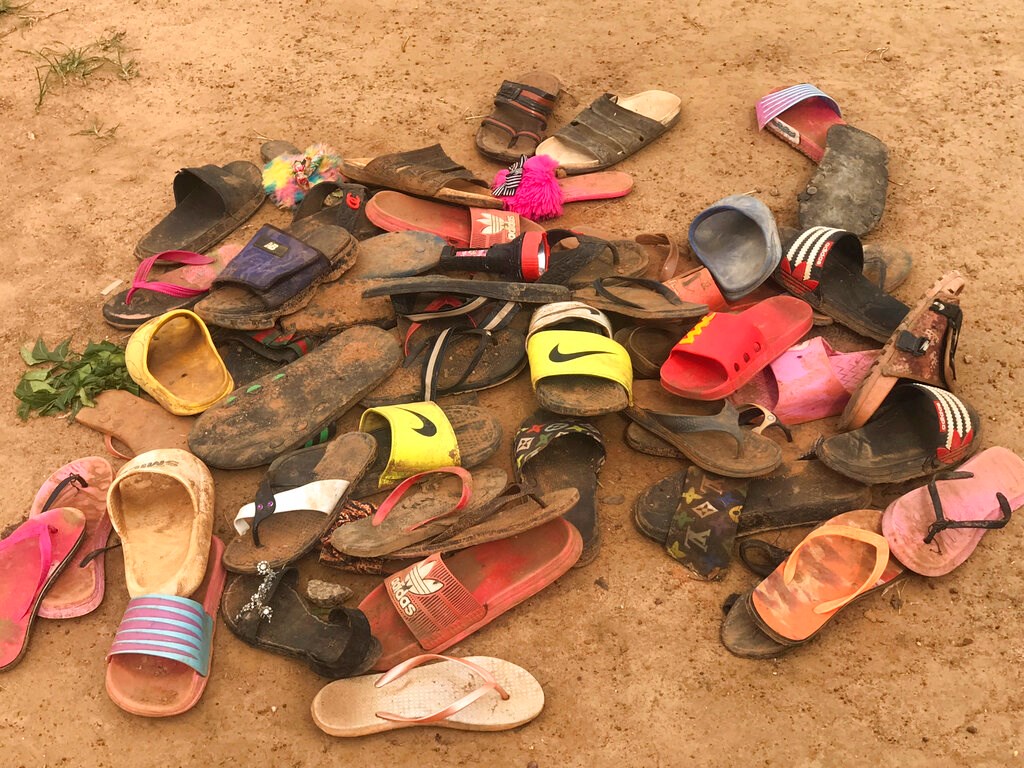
(429, 429)
(555, 356)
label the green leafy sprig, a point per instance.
(71, 380)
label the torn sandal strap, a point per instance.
(942, 522)
(318, 496)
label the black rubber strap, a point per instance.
(266, 505)
(955, 317)
(941, 523)
(760, 557)
(668, 425)
(90, 556)
(642, 282)
(562, 265)
(77, 480)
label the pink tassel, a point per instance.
(538, 195)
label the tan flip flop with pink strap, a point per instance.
(478, 693)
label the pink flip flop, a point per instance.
(809, 381)
(82, 484)
(31, 559)
(933, 529)
(179, 288)
(530, 187)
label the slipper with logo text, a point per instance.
(160, 660)
(576, 368)
(724, 351)
(32, 558)
(433, 604)
(477, 693)
(917, 430)
(81, 484)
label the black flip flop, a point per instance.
(210, 202)
(554, 452)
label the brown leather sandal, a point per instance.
(520, 117)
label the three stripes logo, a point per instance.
(956, 428)
(415, 582)
(800, 269)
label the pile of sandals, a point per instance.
(403, 285)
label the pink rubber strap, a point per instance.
(393, 498)
(172, 257)
(489, 684)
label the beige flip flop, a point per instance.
(477, 693)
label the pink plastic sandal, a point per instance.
(82, 484)
(809, 381)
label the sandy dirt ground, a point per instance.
(632, 667)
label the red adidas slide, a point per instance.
(460, 226)
(432, 605)
(724, 351)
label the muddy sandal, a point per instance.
(520, 117)
(825, 268)
(266, 611)
(648, 347)
(638, 298)
(210, 202)
(281, 526)
(552, 453)
(576, 368)
(918, 430)
(138, 425)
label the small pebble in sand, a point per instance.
(327, 595)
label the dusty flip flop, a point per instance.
(521, 111)
(396, 254)
(281, 411)
(477, 693)
(724, 351)
(137, 424)
(267, 612)
(738, 241)
(32, 558)
(713, 441)
(825, 268)
(161, 505)
(434, 604)
(179, 288)
(638, 298)
(921, 349)
(426, 172)
(473, 228)
(849, 186)
(918, 429)
(81, 484)
(251, 355)
(279, 527)
(556, 257)
(410, 438)
(551, 453)
(526, 293)
(610, 130)
(808, 381)
(277, 273)
(210, 202)
(173, 358)
(160, 660)
(413, 513)
(576, 368)
(532, 188)
(648, 347)
(339, 205)
(836, 563)
(933, 529)
(802, 493)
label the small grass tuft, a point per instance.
(96, 130)
(66, 64)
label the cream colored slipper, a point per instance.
(161, 505)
